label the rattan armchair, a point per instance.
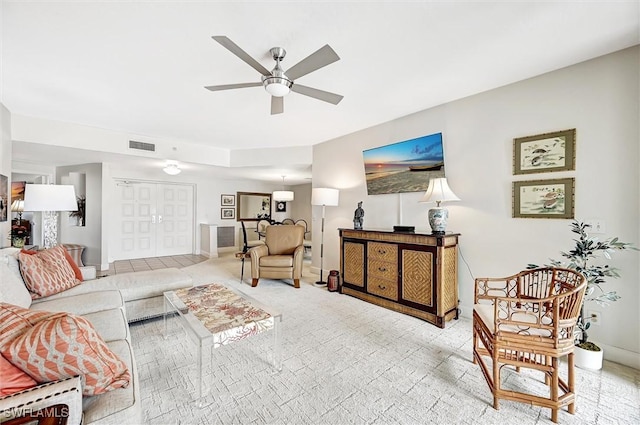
(527, 321)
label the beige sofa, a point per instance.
(104, 302)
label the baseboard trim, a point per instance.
(620, 355)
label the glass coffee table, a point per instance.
(215, 315)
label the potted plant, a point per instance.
(587, 248)
(79, 214)
(18, 235)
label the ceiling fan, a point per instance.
(276, 82)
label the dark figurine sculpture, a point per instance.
(358, 217)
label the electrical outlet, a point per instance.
(595, 318)
(597, 225)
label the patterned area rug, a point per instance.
(349, 362)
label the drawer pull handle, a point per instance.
(382, 251)
(382, 269)
(382, 287)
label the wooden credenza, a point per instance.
(412, 273)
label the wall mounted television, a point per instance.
(404, 166)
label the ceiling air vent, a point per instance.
(142, 146)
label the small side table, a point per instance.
(75, 250)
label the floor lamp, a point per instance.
(325, 197)
(49, 199)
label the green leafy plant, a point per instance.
(79, 214)
(588, 248)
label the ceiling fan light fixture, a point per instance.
(172, 168)
(277, 86)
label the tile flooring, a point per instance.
(140, 264)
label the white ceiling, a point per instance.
(141, 67)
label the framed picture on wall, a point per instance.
(553, 198)
(4, 197)
(281, 206)
(545, 152)
(228, 200)
(227, 213)
(17, 191)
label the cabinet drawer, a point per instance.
(382, 251)
(382, 269)
(382, 288)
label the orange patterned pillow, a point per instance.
(16, 320)
(64, 346)
(47, 272)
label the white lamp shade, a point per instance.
(17, 205)
(325, 196)
(277, 89)
(50, 197)
(283, 195)
(439, 191)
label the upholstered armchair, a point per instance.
(527, 321)
(281, 255)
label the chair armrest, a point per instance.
(489, 288)
(67, 392)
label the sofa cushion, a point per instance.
(12, 288)
(13, 379)
(63, 346)
(148, 283)
(81, 304)
(47, 272)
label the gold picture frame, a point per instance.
(552, 198)
(545, 153)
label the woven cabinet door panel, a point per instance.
(417, 276)
(450, 288)
(354, 263)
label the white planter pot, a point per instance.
(586, 359)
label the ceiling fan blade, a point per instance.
(233, 48)
(277, 105)
(321, 57)
(232, 86)
(317, 94)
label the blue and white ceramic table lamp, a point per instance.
(438, 191)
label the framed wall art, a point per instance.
(227, 213)
(281, 206)
(228, 200)
(553, 198)
(4, 197)
(545, 152)
(17, 191)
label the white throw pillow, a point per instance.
(12, 287)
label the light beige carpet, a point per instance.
(348, 362)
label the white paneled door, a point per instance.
(152, 220)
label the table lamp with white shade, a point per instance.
(17, 206)
(49, 199)
(438, 191)
(326, 197)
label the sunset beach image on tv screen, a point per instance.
(404, 166)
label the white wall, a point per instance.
(5, 169)
(600, 98)
(91, 234)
